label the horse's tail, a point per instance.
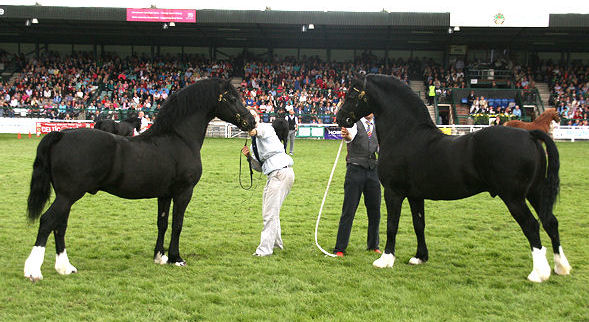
(551, 180)
(41, 178)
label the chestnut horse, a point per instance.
(541, 123)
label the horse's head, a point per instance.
(230, 108)
(555, 115)
(355, 105)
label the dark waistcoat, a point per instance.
(362, 149)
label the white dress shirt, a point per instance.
(270, 150)
(354, 129)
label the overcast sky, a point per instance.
(465, 13)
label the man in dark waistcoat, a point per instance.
(361, 178)
(293, 126)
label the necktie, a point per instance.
(369, 128)
(255, 148)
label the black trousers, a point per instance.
(359, 181)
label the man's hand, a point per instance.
(246, 151)
(346, 134)
(253, 132)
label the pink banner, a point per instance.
(161, 15)
(46, 127)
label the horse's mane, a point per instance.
(184, 103)
(409, 101)
(547, 114)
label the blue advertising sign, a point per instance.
(333, 133)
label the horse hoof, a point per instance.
(65, 269)
(562, 269)
(561, 263)
(62, 264)
(160, 259)
(33, 264)
(541, 270)
(415, 261)
(34, 277)
(385, 260)
(182, 263)
(537, 277)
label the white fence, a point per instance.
(227, 130)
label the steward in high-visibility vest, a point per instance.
(431, 94)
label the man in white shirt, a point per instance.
(269, 157)
(144, 122)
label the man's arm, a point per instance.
(252, 159)
(348, 134)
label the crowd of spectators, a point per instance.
(60, 87)
(569, 91)
(311, 87)
(51, 86)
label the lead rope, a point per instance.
(325, 197)
(251, 171)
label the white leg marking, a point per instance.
(33, 264)
(385, 260)
(160, 259)
(415, 261)
(62, 264)
(561, 264)
(541, 271)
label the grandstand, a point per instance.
(84, 63)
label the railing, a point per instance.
(122, 114)
(484, 75)
(523, 97)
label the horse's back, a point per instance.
(516, 123)
(508, 159)
(82, 158)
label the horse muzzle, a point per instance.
(345, 120)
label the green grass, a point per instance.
(479, 258)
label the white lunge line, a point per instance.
(325, 197)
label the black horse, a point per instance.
(419, 162)
(124, 128)
(280, 126)
(164, 162)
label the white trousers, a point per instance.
(277, 188)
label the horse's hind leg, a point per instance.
(550, 224)
(180, 203)
(62, 262)
(51, 220)
(531, 229)
(417, 212)
(163, 211)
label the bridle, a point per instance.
(238, 119)
(361, 97)
(237, 116)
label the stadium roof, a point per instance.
(283, 29)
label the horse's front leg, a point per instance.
(180, 203)
(163, 211)
(418, 214)
(394, 202)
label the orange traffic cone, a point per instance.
(29, 134)
(18, 136)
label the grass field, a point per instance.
(479, 258)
